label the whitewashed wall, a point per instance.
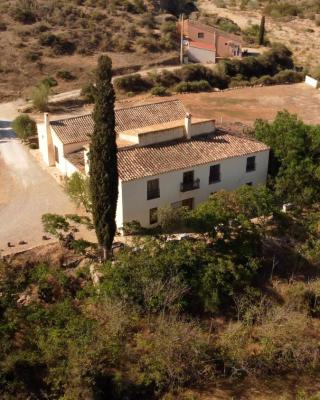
(64, 166)
(233, 175)
(202, 128)
(201, 55)
(119, 213)
(45, 144)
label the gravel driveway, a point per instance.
(26, 191)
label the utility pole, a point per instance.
(181, 40)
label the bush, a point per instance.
(148, 44)
(49, 81)
(288, 76)
(40, 97)
(24, 127)
(159, 91)
(59, 44)
(197, 86)
(33, 55)
(173, 355)
(25, 11)
(65, 75)
(132, 83)
(88, 93)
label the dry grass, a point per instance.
(18, 41)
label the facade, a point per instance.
(165, 157)
(207, 44)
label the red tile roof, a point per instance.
(78, 129)
(139, 162)
(201, 45)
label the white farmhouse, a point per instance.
(166, 157)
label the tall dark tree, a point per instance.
(262, 31)
(103, 158)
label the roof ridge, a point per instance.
(68, 118)
(122, 108)
(151, 104)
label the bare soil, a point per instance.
(248, 104)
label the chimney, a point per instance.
(47, 148)
(188, 125)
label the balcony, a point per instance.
(187, 186)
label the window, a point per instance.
(200, 35)
(188, 177)
(189, 183)
(153, 189)
(249, 183)
(56, 154)
(251, 164)
(188, 203)
(153, 215)
(214, 175)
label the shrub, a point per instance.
(65, 75)
(88, 92)
(49, 81)
(33, 55)
(25, 11)
(59, 44)
(288, 76)
(173, 355)
(172, 219)
(148, 44)
(159, 91)
(24, 126)
(132, 83)
(197, 86)
(40, 97)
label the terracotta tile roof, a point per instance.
(212, 29)
(77, 159)
(157, 159)
(78, 129)
(201, 45)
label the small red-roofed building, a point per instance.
(207, 44)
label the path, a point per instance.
(26, 191)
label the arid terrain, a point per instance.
(248, 104)
(302, 36)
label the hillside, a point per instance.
(293, 23)
(62, 39)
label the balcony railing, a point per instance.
(187, 186)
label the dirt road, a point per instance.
(26, 192)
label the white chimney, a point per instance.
(188, 125)
(47, 148)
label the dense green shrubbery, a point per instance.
(24, 127)
(196, 86)
(273, 67)
(294, 166)
(131, 83)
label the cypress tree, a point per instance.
(103, 158)
(262, 30)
